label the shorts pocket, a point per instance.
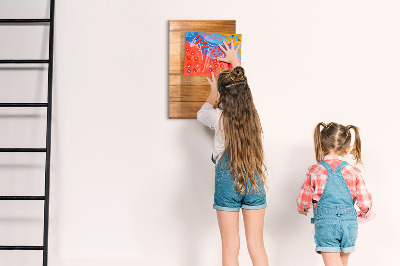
(326, 232)
(224, 182)
(225, 194)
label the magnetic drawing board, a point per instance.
(187, 92)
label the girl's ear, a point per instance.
(218, 95)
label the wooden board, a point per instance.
(188, 93)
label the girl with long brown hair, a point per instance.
(240, 172)
(333, 186)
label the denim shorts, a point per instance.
(335, 232)
(226, 195)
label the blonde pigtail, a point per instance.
(356, 151)
(319, 153)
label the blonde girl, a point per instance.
(333, 186)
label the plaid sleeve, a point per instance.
(305, 197)
(364, 199)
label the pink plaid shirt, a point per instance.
(314, 185)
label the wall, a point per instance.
(131, 187)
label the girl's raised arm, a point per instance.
(207, 115)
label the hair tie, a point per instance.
(237, 83)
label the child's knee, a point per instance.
(232, 244)
(256, 244)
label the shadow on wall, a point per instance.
(193, 203)
(167, 75)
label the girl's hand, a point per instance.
(213, 97)
(231, 54)
(301, 211)
(213, 83)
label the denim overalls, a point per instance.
(335, 218)
(226, 195)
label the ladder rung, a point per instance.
(22, 149)
(24, 61)
(22, 197)
(21, 247)
(23, 104)
(25, 20)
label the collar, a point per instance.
(334, 157)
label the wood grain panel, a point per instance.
(188, 93)
(184, 109)
(186, 80)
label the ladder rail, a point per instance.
(48, 136)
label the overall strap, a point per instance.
(340, 166)
(212, 159)
(223, 160)
(326, 166)
(336, 197)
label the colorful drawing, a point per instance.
(202, 51)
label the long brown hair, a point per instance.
(242, 129)
(336, 137)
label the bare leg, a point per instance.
(254, 227)
(345, 258)
(332, 259)
(229, 228)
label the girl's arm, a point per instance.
(305, 197)
(364, 199)
(213, 96)
(207, 115)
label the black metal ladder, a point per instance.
(47, 105)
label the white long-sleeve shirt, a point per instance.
(210, 117)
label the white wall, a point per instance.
(131, 187)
